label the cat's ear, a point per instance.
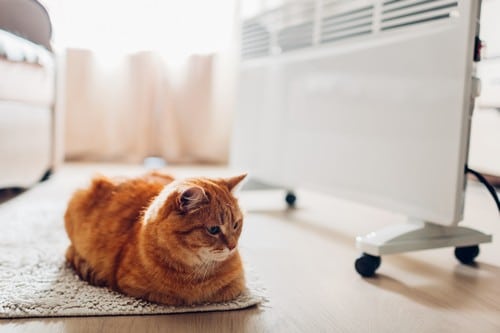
(235, 183)
(190, 198)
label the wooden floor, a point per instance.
(305, 257)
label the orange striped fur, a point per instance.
(153, 237)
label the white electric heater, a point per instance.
(370, 100)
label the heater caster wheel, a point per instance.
(467, 254)
(366, 265)
(290, 199)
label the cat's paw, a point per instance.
(229, 292)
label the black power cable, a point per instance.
(483, 180)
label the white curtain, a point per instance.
(146, 78)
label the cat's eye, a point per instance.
(213, 230)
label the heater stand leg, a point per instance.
(417, 235)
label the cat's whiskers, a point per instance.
(202, 271)
(208, 260)
(208, 268)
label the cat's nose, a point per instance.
(231, 245)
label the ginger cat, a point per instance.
(167, 241)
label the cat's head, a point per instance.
(196, 221)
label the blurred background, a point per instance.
(146, 78)
(151, 78)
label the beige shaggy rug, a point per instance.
(35, 281)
